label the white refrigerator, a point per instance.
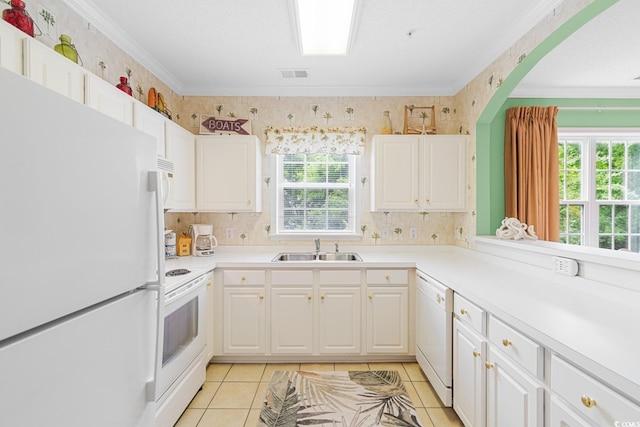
(81, 247)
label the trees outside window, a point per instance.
(316, 194)
(599, 178)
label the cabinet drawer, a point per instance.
(244, 277)
(520, 348)
(589, 397)
(292, 277)
(340, 277)
(387, 277)
(469, 313)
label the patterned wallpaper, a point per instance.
(105, 59)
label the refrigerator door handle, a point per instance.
(155, 185)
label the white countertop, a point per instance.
(592, 324)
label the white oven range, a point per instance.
(182, 368)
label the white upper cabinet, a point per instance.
(47, 67)
(228, 172)
(150, 122)
(11, 47)
(108, 99)
(181, 150)
(416, 173)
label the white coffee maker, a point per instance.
(202, 239)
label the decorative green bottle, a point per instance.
(66, 48)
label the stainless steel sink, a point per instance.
(339, 256)
(294, 256)
(323, 256)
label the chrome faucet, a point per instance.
(317, 244)
(337, 246)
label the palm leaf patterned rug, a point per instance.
(337, 399)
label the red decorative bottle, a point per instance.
(124, 86)
(18, 17)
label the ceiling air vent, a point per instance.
(294, 74)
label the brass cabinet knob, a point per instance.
(415, 200)
(463, 311)
(261, 297)
(209, 283)
(587, 401)
(476, 353)
(387, 277)
(322, 297)
(309, 297)
(427, 200)
(243, 278)
(488, 365)
(370, 296)
(506, 342)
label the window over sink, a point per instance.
(315, 173)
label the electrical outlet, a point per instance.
(385, 233)
(566, 266)
(413, 233)
(229, 233)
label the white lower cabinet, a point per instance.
(244, 320)
(514, 398)
(587, 398)
(339, 320)
(497, 371)
(244, 311)
(292, 320)
(469, 374)
(387, 320)
(210, 333)
(563, 416)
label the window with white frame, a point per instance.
(599, 178)
(315, 194)
(315, 175)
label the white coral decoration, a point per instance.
(513, 229)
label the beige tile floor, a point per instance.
(232, 394)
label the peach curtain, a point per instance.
(531, 169)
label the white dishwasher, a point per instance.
(434, 321)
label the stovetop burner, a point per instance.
(177, 272)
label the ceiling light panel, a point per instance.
(325, 26)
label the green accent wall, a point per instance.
(490, 125)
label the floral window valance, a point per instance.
(310, 140)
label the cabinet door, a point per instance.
(244, 320)
(108, 99)
(443, 173)
(563, 416)
(513, 397)
(469, 375)
(11, 47)
(150, 122)
(181, 150)
(228, 172)
(210, 334)
(47, 67)
(339, 320)
(395, 164)
(387, 320)
(292, 320)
